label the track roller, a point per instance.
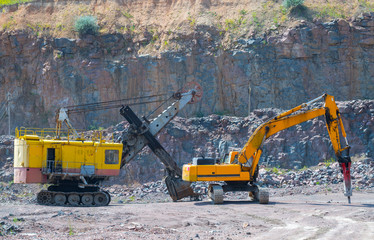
(74, 199)
(101, 199)
(87, 199)
(60, 199)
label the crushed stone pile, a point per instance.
(326, 177)
(362, 173)
(304, 145)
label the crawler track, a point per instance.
(82, 199)
(215, 192)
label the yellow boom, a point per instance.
(252, 149)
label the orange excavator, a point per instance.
(239, 169)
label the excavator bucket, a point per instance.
(179, 189)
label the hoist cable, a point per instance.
(112, 104)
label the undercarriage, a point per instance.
(216, 191)
(68, 195)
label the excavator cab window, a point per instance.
(236, 161)
(226, 159)
(111, 157)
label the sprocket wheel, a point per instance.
(44, 198)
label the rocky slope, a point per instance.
(6, 158)
(45, 73)
(306, 144)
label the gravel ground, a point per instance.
(304, 204)
(316, 216)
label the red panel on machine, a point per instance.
(29, 175)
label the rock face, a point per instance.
(306, 144)
(6, 158)
(44, 74)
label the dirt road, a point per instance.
(291, 217)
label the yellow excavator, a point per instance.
(75, 166)
(239, 169)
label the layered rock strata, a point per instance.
(44, 74)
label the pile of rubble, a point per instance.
(362, 173)
(326, 176)
(8, 226)
(306, 144)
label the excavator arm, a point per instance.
(142, 133)
(250, 154)
(134, 139)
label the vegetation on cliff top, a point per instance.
(10, 2)
(165, 27)
(292, 3)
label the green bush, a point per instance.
(86, 25)
(292, 3)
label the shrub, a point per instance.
(86, 25)
(292, 3)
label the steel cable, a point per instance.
(112, 104)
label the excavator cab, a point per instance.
(233, 157)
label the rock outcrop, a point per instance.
(307, 144)
(44, 74)
(6, 158)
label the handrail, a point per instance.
(50, 133)
(59, 167)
